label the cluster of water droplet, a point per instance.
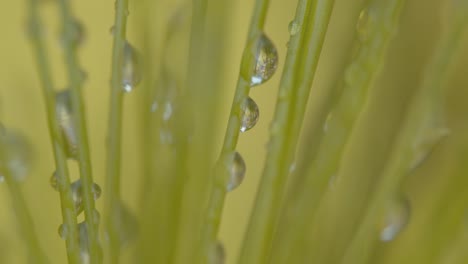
(16, 155)
(264, 56)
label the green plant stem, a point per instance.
(24, 219)
(313, 18)
(115, 132)
(66, 198)
(424, 118)
(218, 193)
(372, 43)
(84, 158)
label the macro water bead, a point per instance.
(249, 114)
(77, 193)
(265, 60)
(237, 171)
(396, 219)
(17, 153)
(64, 115)
(131, 72)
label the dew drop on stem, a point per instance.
(264, 56)
(293, 28)
(77, 194)
(217, 254)
(130, 66)
(64, 114)
(17, 155)
(249, 114)
(237, 169)
(395, 219)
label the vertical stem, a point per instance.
(375, 30)
(292, 99)
(218, 193)
(115, 131)
(424, 118)
(84, 158)
(66, 198)
(23, 216)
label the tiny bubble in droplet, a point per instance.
(236, 170)
(293, 28)
(249, 114)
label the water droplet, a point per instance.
(78, 33)
(396, 219)
(64, 114)
(293, 28)
(249, 113)
(54, 181)
(425, 144)
(63, 231)
(217, 254)
(266, 60)
(126, 223)
(168, 110)
(83, 238)
(362, 26)
(237, 170)
(18, 154)
(77, 193)
(131, 74)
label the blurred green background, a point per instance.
(22, 108)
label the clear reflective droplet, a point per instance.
(266, 60)
(77, 193)
(396, 218)
(63, 231)
(249, 113)
(64, 114)
(293, 28)
(425, 144)
(126, 223)
(17, 153)
(217, 254)
(362, 26)
(131, 74)
(83, 238)
(237, 171)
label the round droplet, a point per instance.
(266, 60)
(236, 171)
(396, 219)
(63, 231)
(362, 26)
(131, 74)
(217, 254)
(18, 154)
(249, 113)
(77, 194)
(293, 28)
(64, 114)
(54, 181)
(126, 223)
